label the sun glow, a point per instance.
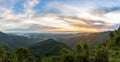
(59, 15)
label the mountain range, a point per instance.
(27, 39)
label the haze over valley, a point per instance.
(59, 31)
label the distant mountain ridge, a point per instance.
(93, 38)
(13, 41)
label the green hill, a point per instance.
(48, 47)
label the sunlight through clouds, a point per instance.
(59, 15)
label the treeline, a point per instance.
(83, 52)
(20, 55)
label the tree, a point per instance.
(10, 57)
(24, 55)
(111, 34)
(2, 54)
(119, 28)
(118, 41)
(82, 52)
(66, 55)
(102, 55)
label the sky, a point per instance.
(59, 15)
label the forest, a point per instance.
(109, 51)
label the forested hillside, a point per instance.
(14, 41)
(51, 50)
(82, 52)
(45, 48)
(92, 38)
(59, 30)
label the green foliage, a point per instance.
(21, 55)
(111, 34)
(6, 56)
(64, 52)
(106, 52)
(102, 55)
(82, 52)
(66, 55)
(24, 55)
(2, 54)
(53, 51)
(45, 59)
(10, 57)
(46, 48)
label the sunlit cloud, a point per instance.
(62, 16)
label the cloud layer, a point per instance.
(59, 15)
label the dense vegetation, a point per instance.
(83, 52)
(53, 51)
(20, 55)
(48, 47)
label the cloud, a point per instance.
(111, 9)
(34, 28)
(87, 23)
(29, 11)
(7, 14)
(30, 4)
(59, 16)
(100, 11)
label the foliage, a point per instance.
(83, 52)
(21, 55)
(53, 51)
(46, 48)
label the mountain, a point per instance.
(92, 38)
(47, 48)
(14, 41)
(43, 36)
(26, 39)
(46, 45)
(109, 51)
